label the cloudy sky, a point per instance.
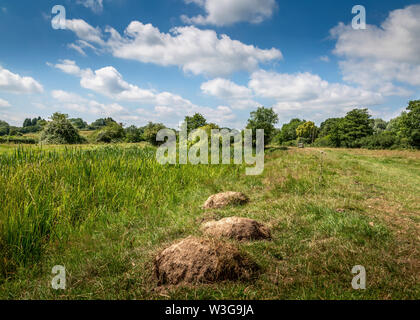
(139, 60)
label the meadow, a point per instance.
(105, 211)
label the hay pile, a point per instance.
(224, 199)
(237, 229)
(196, 260)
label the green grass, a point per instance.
(103, 212)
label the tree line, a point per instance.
(357, 129)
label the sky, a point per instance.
(139, 61)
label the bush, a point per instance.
(60, 131)
(384, 140)
(113, 132)
(133, 134)
(325, 142)
(17, 140)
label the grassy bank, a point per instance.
(103, 213)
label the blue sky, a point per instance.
(161, 60)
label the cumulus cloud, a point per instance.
(228, 12)
(14, 83)
(296, 94)
(194, 50)
(306, 90)
(110, 83)
(224, 88)
(4, 103)
(238, 97)
(381, 57)
(75, 102)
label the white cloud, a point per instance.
(168, 107)
(64, 96)
(75, 102)
(226, 89)
(67, 66)
(4, 103)
(14, 83)
(380, 57)
(95, 5)
(85, 31)
(194, 50)
(227, 12)
(291, 95)
(238, 97)
(306, 90)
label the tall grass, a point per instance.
(47, 193)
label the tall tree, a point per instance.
(195, 122)
(263, 118)
(356, 124)
(410, 123)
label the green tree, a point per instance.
(379, 126)
(4, 128)
(288, 131)
(328, 126)
(60, 131)
(151, 131)
(263, 118)
(79, 123)
(27, 123)
(307, 131)
(410, 123)
(134, 134)
(195, 122)
(102, 122)
(356, 124)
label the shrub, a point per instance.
(17, 140)
(133, 134)
(325, 142)
(113, 132)
(60, 131)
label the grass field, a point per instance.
(104, 212)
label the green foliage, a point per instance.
(195, 122)
(17, 140)
(307, 132)
(263, 118)
(134, 134)
(79, 123)
(60, 131)
(112, 132)
(151, 131)
(356, 125)
(288, 131)
(379, 126)
(410, 123)
(325, 142)
(32, 125)
(383, 140)
(4, 128)
(99, 123)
